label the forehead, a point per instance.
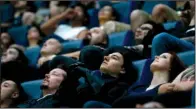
(78, 8)
(33, 28)
(107, 7)
(12, 49)
(52, 40)
(146, 25)
(116, 54)
(9, 82)
(95, 29)
(57, 71)
(166, 54)
(4, 35)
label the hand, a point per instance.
(165, 88)
(69, 13)
(183, 86)
(150, 105)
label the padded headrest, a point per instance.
(32, 89)
(117, 39)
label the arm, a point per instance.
(75, 54)
(51, 25)
(82, 34)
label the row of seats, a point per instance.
(32, 88)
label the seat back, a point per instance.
(7, 13)
(188, 57)
(19, 35)
(123, 10)
(93, 18)
(117, 38)
(32, 89)
(33, 55)
(71, 46)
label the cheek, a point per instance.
(11, 57)
(56, 82)
(114, 66)
(5, 93)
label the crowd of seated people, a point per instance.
(97, 73)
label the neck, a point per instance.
(102, 22)
(76, 23)
(47, 91)
(6, 103)
(45, 55)
(159, 78)
(33, 43)
(108, 73)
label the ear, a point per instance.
(15, 94)
(122, 71)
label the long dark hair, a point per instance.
(177, 66)
(21, 56)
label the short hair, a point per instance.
(130, 75)
(22, 95)
(177, 66)
(67, 88)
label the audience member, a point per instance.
(182, 89)
(110, 81)
(164, 68)
(78, 17)
(11, 94)
(49, 49)
(49, 87)
(6, 41)
(34, 36)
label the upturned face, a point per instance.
(113, 64)
(161, 63)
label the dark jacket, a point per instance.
(99, 86)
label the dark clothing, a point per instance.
(18, 71)
(99, 86)
(175, 99)
(46, 102)
(136, 94)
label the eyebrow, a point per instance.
(115, 56)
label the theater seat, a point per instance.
(32, 88)
(188, 57)
(33, 55)
(93, 18)
(117, 38)
(7, 13)
(19, 34)
(139, 65)
(123, 9)
(71, 46)
(129, 39)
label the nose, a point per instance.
(156, 57)
(106, 58)
(47, 75)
